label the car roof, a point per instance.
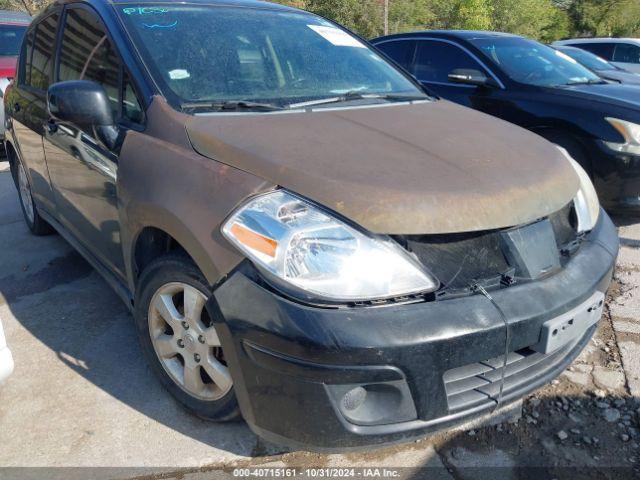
(231, 3)
(460, 34)
(14, 17)
(574, 41)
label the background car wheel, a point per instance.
(34, 221)
(180, 341)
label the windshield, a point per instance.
(588, 59)
(11, 39)
(255, 57)
(532, 63)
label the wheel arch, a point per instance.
(161, 234)
(571, 140)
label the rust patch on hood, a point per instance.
(400, 169)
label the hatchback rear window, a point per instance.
(200, 53)
(11, 39)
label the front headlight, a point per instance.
(586, 203)
(307, 247)
(631, 134)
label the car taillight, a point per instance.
(7, 72)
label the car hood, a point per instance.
(624, 77)
(427, 167)
(614, 94)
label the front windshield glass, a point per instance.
(529, 62)
(588, 59)
(11, 39)
(203, 54)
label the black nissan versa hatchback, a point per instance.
(538, 88)
(304, 236)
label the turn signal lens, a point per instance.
(254, 241)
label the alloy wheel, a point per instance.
(186, 342)
(25, 194)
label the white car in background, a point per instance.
(6, 359)
(622, 52)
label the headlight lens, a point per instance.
(586, 202)
(316, 252)
(631, 133)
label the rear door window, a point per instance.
(401, 51)
(38, 52)
(604, 50)
(626, 53)
(435, 60)
(11, 39)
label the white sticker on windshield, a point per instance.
(179, 74)
(336, 36)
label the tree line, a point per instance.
(545, 20)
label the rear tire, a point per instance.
(179, 339)
(37, 225)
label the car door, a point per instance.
(83, 170)
(400, 51)
(27, 103)
(435, 59)
(627, 56)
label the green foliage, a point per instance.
(546, 20)
(471, 15)
(362, 16)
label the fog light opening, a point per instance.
(353, 399)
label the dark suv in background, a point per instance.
(536, 87)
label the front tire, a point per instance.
(179, 338)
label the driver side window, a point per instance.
(436, 60)
(86, 53)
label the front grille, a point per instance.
(461, 259)
(478, 384)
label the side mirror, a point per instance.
(85, 104)
(471, 77)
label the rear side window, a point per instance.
(626, 53)
(436, 60)
(25, 58)
(11, 38)
(38, 54)
(604, 50)
(401, 51)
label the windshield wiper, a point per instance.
(356, 95)
(588, 82)
(231, 105)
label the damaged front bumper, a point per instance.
(332, 379)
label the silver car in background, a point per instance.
(622, 52)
